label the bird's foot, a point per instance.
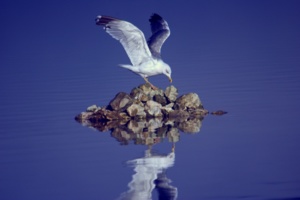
(153, 87)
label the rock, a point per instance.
(147, 116)
(180, 115)
(109, 115)
(168, 108)
(153, 108)
(92, 108)
(136, 110)
(188, 101)
(198, 111)
(219, 112)
(160, 99)
(83, 116)
(120, 102)
(158, 92)
(146, 105)
(171, 93)
(124, 116)
(138, 94)
(146, 88)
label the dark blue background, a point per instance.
(239, 56)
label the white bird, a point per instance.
(145, 56)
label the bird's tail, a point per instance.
(126, 66)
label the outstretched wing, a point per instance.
(132, 38)
(160, 32)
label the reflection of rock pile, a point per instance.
(146, 115)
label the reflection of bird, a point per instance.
(150, 175)
(145, 58)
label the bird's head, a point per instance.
(167, 71)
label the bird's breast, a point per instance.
(150, 69)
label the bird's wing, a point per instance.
(160, 32)
(132, 38)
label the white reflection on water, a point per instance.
(149, 175)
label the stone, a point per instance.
(83, 116)
(148, 111)
(104, 115)
(188, 101)
(147, 116)
(153, 108)
(138, 94)
(218, 112)
(124, 116)
(171, 93)
(146, 88)
(160, 99)
(111, 115)
(198, 111)
(136, 110)
(92, 108)
(153, 93)
(181, 115)
(169, 107)
(148, 91)
(120, 102)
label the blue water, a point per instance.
(241, 57)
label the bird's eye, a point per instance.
(167, 71)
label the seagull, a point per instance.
(144, 56)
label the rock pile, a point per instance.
(145, 103)
(147, 116)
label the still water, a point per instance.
(252, 152)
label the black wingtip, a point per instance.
(155, 17)
(103, 20)
(98, 19)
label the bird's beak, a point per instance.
(170, 79)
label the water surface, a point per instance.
(241, 57)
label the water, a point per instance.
(241, 57)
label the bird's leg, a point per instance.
(173, 147)
(152, 86)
